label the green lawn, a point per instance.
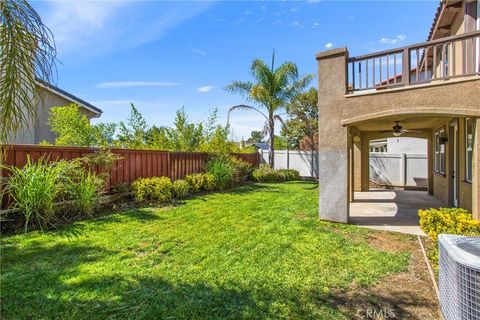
(256, 252)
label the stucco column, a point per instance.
(333, 153)
(357, 159)
(365, 162)
(430, 156)
(476, 172)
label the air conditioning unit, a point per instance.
(459, 277)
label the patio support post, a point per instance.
(357, 163)
(476, 172)
(430, 156)
(333, 151)
(365, 162)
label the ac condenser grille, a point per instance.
(459, 278)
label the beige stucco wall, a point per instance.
(446, 100)
(40, 130)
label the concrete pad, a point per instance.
(391, 210)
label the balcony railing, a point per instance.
(436, 60)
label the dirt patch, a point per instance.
(407, 295)
(393, 241)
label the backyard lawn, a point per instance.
(258, 251)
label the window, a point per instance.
(469, 141)
(439, 163)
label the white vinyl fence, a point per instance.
(306, 162)
(401, 170)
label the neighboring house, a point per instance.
(431, 88)
(51, 96)
(260, 145)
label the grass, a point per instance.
(258, 251)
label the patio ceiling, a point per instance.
(406, 121)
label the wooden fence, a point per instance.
(133, 164)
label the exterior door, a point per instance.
(453, 167)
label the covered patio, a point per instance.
(391, 210)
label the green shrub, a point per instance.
(208, 181)
(266, 174)
(79, 184)
(288, 174)
(87, 189)
(447, 220)
(222, 169)
(200, 181)
(120, 188)
(181, 189)
(34, 189)
(157, 189)
(242, 168)
(194, 181)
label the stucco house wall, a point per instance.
(50, 97)
(339, 112)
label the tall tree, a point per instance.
(256, 136)
(27, 54)
(273, 89)
(302, 127)
(132, 134)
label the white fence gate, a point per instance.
(401, 170)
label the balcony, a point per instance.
(428, 62)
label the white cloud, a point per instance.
(395, 40)
(328, 45)
(263, 8)
(294, 9)
(134, 84)
(205, 89)
(315, 25)
(99, 27)
(295, 24)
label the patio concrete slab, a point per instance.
(391, 210)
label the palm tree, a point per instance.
(27, 55)
(272, 90)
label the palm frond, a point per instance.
(244, 107)
(27, 53)
(241, 87)
(280, 119)
(297, 87)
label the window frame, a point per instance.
(469, 166)
(439, 152)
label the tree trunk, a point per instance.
(271, 132)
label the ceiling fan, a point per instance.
(398, 130)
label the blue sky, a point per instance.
(163, 55)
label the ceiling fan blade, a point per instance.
(412, 131)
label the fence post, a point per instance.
(403, 169)
(288, 159)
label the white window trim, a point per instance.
(467, 168)
(437, 166)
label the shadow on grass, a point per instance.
(146, 297)
(359, 302)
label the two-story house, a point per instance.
(429, 90)
(51, 96)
